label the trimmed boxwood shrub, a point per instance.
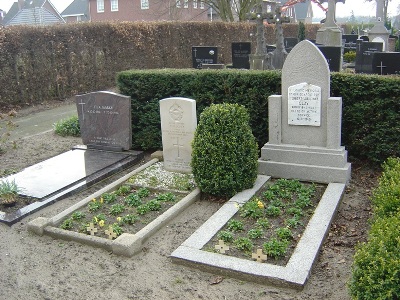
(225, 152)
(376, 266)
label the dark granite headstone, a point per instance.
(364, 38)
(105, 120)
(364, 55)
(384, 63)
(204, 55)
(289, 43)
(333, 56)
(349, 42)
(240, 55)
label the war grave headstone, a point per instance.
(333, 57)
(305, 123)
(204, 55)
(384, 63)
(289, 43)
(240, 55)
(104, 118)
(178, 124)
(364, 55)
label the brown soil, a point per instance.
(40, 267)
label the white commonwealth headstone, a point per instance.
(305, 123)
(178, 124)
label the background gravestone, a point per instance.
(178, 124)
(333, 57)
(364, 55)
(204, 55)
(305, 123)
(384, 63)
(105, 120)
(240, 55)
(289, 43)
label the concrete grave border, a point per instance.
(126, 244)
(297, 270)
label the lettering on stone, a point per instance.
(178, 124)
(304, 105)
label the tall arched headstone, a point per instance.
(305, 123)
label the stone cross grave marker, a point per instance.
(240, 55)
(105, 120)
(305, 123)
(204, 55)
(259, 256)
(178, 124)
(221, 247)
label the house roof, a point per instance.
(76, 8)
(33, 12)
(300, 8)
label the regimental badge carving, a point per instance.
(176, 112)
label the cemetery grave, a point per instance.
(204, 55)
(106, 132)
(272, 221)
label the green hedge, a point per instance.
(376, 267)
(371, 104)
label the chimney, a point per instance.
(21, 4)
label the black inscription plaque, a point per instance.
(204, 55)
(240, 55)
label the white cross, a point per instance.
(178, 145)
(381, 67)
(83, 112)
(195, 52)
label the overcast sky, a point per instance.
(360, 7)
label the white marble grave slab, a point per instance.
(178, 124)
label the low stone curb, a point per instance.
(126, 244)
(297, 270)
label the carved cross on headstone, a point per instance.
(381, 66)
(82, 104)
(221, 247)
(259, 256)
(178, 145)
(91, 229)
(110, 233)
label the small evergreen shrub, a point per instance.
(225, 152)
(349, 56)
(68, 127)
(376, 266)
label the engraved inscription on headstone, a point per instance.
(204, 55)
(178, 124)
(304, 104)
(105, 120)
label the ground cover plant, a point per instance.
(68, 127)
(132, 206)
(127, 209)
(272, 221)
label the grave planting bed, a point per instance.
(197, 251)
(121, 216)
(270, 223)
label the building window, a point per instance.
(194, 3)
(178, 3)
(186, 4)
(144, 4)
(114, 5)
(201, 4)
(100, 6)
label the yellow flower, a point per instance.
(101, 223)
(260, 204)
(119, 219)
(94, 199)
(101, 200)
